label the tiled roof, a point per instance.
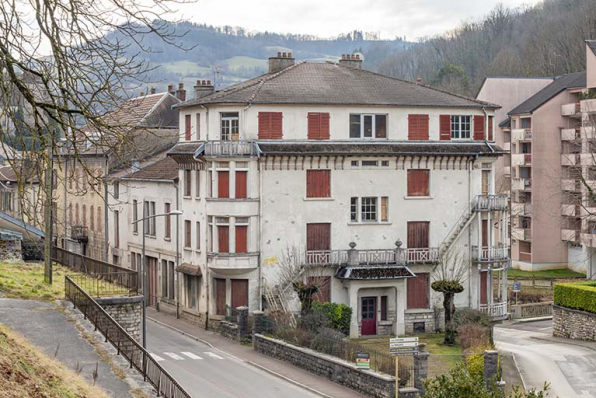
(378, 148)
(330, 83)
(572, 80)
(164, 169)
(592, 45)
(505, 123)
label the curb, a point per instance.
(563, 342)
(256, 365)
(528, 320)
(521, 376)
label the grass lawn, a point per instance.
(546, 274)
(27, 372)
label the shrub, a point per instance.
(576, 295)
(464, 316)
(314, 321)
(339, 315)
(330, 341)
(473, 335)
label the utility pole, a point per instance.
(48, 191)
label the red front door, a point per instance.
(152, 276)
(369, 316)
(220, 296)
(239, 293)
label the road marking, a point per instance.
(157, 357)
(174, 356)
(212, 355)
(191, 355)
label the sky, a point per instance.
(413, 19)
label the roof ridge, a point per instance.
(421, 85)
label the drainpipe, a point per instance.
(105, 212)
(177, 280)
(259, 234)
(486, 124)
(470, 198)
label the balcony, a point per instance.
(495, 310)
(588, 159)
(570, 185)
(568, 235)
(521, 159)
(522, 184)
(570, 159)
(490, 253)
(491, 203)
(229, 148)
(387, 257)
(570, 134)
(232, 263)
(521, 135)
(588, 106)
(572, 110)
(588, 132)
(79, 233)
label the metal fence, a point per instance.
(165, 385)
(115, 284)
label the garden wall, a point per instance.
(574, 324)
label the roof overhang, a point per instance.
(189, 269)
(374, 272)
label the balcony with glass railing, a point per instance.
(572, 134)
(521, 184)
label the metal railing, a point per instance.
(490, 202)
(78, 232)
(494, 310)
(373, 257)
(86, 265)
(230, 148)
(124, 343)
(490, 253)
(115, 284)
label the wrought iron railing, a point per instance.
(491, 202)
(164, 384)
(114, 284)
(84, 264)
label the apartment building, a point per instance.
(367, 179)
(83, 187)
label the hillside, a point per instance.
(544, 40)
(230, 55)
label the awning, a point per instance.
(189, 269)
(374, 272)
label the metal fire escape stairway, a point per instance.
(460, 226)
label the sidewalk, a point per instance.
(245, 353)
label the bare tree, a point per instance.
(64, 65)
(448, 278)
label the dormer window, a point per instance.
(368, 126)
(229, 126)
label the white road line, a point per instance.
(212, 355)
(191, 355)
(174, 356)
(157, 357)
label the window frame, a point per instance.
(187, 234)
(227, 120)
(135, 216)
(362, 123)
(381, 210)
(168, 222)
(456, 127)
(187, 183)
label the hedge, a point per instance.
(339, 315)
(576, 295)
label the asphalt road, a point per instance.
(570, 369)
(208, 372)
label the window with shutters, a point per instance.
(460, 127)
(230, 126)
(369, 209)
(187, 234)
(318, 236)
(418, 291)
(198, 235)
(318, 183)
(198, 184)
(418, 183)
(223, 184)
(318, 126)
(270, 125)
(368, 126)
(241, 228)
(198, 126)
(418, 127)
(383, 308)
(418, 232)
(187, 127)
(187, 183)
(241, 184)
(167, 208)
(223, 235)
(135, 217)
(479, 128)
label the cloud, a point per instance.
(327, 18)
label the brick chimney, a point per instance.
(171, 89)
(152, 90)
(203, 88)
(181, 92)
(351, 60)
(282, 61)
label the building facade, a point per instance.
(363, 180)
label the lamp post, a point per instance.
(144, 265)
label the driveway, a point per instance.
(569, 366)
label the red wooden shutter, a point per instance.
(241, 181)
(223, 184)
(490, 128)
(220, 296)
(418, 127)
(187, 127)
(241, 239)
(383, 308)
(270, 125)
(418, 291)
(318, 236)
(223, 238)
(483, 288)
(168, 208)
(318, 183)
(479, 128)
(318, 126)
(187, 234)
(418, 234)
(418, 183)
(239, 293)
(445, 127)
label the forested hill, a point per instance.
(543, 40)
(229, 55)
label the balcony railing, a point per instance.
(230, 148)
(568, 235)
(570, 134)
(495, 310)
(527, 158)
(79, 232)
(522, 184)
(373, 257)
(571, 109)
(490, 253)
(491, 203)
(523, 134)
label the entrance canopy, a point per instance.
(371, 272)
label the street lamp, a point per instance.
(144, 265)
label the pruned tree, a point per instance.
(448, 278)
(61, 75)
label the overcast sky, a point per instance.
(326, 18)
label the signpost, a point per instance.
(401, 346)
(363, 360)
(516, 289)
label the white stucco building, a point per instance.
(370, 178)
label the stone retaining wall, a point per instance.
(573, 324)
(127, 311)
(228, 329)
(367, 382)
